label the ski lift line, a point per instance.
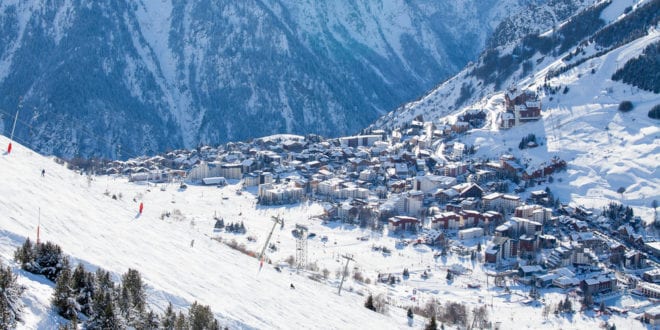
(17, 119)
(84, 130)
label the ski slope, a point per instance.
(107, 233)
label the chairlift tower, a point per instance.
(301, 246)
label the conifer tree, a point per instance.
(181, 322)
(201, 317)
(63, 299)
(25, 254)
(10, 297)
(369, 304)
(169, 318)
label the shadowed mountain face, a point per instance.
(123, 78)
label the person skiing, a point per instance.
(43, 173)
(292, 286)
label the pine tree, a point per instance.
(568, 306)
(63, 296)
(133, 282)
(432, 325)
(106, 316)
(25, 254)
(151, 320)
(369, 304)
(181, 322)
(10, 297)
(201, 317)
(169, 318)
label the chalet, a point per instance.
(470, 218)
(599, 283)
(582, 256)
(492, 218)
(470, 190)
(279, 193)
(360, 140)
(445, 195)
(617, 251)
(430, 183)
(652, 316)
(585, 238)
(150, 176)
(410, 203)
(538, 196)
(446, 220)
(436, 238)
(523, 106)
(470, 203)
(528, 245)
(531, 270)
(454, 169)
(399, 223)
(470, 233)
(650, 290)
(460, 127)
(652, 275)
(653, 248)
(218, 180)
(547, 241)
(216, 169)
(499, 201)
(634, 259)
(533, 212)
(500, 249)
(559, 257)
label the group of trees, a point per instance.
(10, 296)
(524, 142)
(235, 227)
(564, 306)
(618, 213)
(96, 298)
(376, 304)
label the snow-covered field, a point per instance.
(99, 231)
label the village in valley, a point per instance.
(429, 210)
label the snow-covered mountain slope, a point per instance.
(153, 75)
(99, 231)
(611, 23)
(606, 149)
(102, 232)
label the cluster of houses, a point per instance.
(396, 180)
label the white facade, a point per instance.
(470, 233)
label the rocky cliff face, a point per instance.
(122, 78)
